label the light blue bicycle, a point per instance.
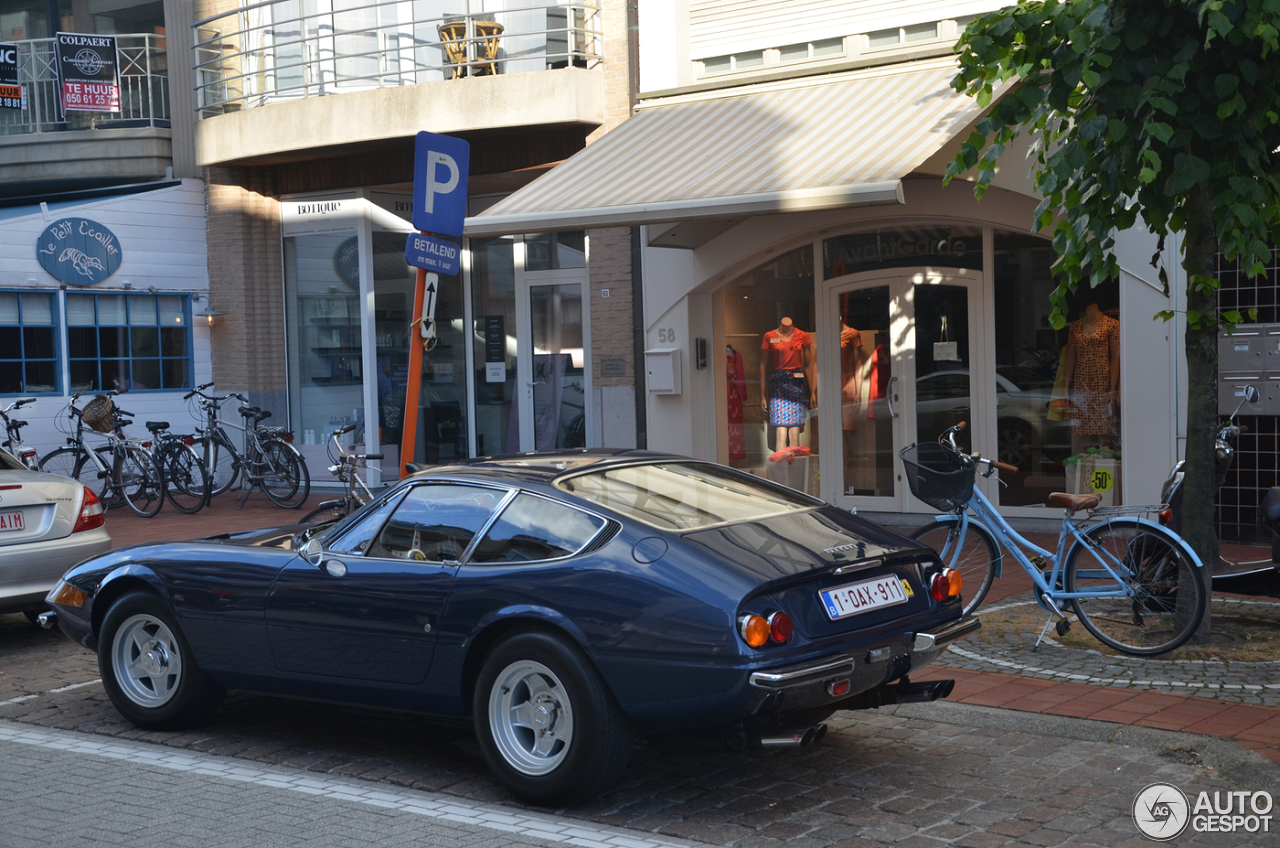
(1135, 585)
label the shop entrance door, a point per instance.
(551, 361)
(900, 367)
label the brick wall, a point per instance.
(612, 335)
(246, 280)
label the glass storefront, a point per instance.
(912, 322)
(504, 361)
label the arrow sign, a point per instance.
(429, 307)
(433, 254)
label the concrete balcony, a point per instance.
(272, 87)
(44, 149)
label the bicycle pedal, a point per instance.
(1063, 626)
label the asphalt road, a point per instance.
(267, 771)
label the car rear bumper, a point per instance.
(29, 570)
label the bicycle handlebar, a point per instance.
(344, 430)
(950, 437)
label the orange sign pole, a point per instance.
(409, 435)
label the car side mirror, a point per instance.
(312, 551)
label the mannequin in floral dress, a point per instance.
(736, 378)
(1093, 379)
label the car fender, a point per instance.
(949, 518)
(515, 618)
(119, 581)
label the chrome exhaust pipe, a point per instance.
(799, 738)
(48, 619)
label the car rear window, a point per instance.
(685, 496)
(533, 528)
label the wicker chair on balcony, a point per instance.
(453, 37)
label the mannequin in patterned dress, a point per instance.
(788, 388)
(1093, 379)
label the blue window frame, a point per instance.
(28, 343)
(140, 342)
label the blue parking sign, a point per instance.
(440, 167)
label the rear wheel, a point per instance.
(974, 557)
(185, 480)
(148, 669)
(1167, 596)
(285, 479)
(548, 728)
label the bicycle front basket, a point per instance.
(99, 414)
(938, 476)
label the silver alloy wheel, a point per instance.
(147, 661)
(531, 718)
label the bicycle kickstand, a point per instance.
(1063, 625)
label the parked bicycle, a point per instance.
(269, 461)
(1135, 585)
(186, 483)
(13, 435)
(121, 471)
(346, 467)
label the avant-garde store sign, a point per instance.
(79, 252)
(89, 72)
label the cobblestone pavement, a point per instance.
(1008, 650)
(913, 776)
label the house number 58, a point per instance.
(666, 335)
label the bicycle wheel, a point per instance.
(141, 481)
(186, 483)
(975, 558)
(219, 463)
(75, 463)
(285, 478)
(327, 512)
(1167, 593)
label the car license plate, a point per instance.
(11, 521)
(844, 601)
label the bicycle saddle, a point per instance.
(255, 413)
(157, 426)
(1075, 503)
(16, 425)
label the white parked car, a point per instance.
(48, 523)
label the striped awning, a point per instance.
(819, 143)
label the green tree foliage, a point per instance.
(1166, 111)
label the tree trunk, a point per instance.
(1199, 487)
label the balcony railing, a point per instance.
(144, 89)
(273, 51)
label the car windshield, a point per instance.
(685, 496)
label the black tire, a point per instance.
(186, 483)
(1168, 593)
(327, 512)
(285, 478)
(975, 559)
(141, 481)
(571, 701)
(148, 669)
(219, 463)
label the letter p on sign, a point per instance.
(440, 169)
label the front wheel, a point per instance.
(141, 481)
(328, 512)
(186, 483)
(548, 728)
(148, 669)
(75, 463)
(285, 478)
(219, 463)
(974, 556)
(1165, 590)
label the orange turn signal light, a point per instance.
(754, 630)
(955, 581)
(69, 596)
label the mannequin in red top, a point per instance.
(788, 384)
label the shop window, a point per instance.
(28, 345)
(1057, 419)
(736, 62)
(768, 366)
(134, 342)
(552, 251)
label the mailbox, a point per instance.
(662, 370)
(1245, 348)
(1231, 393)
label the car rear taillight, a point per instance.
(92, 514)
(780, 627)
(946, 584)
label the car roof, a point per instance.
(542, 466)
